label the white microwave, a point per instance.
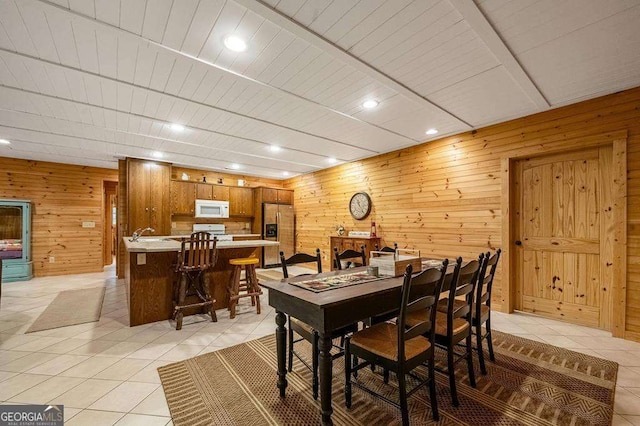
(212, 209)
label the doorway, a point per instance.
(110, 223)
(564, 233)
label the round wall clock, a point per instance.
(360, 205)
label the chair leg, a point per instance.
(432, 390)
(234, 292)
(207, 293)
(355, 362)
(385, 376)
(489, 339)
(254, 286)
(347, 373)
(452, 375)
(483, 368)
(314, 364)
(290, 348)
(472, 375)
(181, 296)
(402, 389)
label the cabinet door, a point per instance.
(204, 191)
(285, 196)
(220, 193)
(240, 201)
(183, 196)
(139, 204)
(160, 201)
(269, 195)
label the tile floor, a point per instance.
(105, 372)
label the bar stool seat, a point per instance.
(247, 287)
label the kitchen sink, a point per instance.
(153, 240)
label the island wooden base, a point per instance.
(150, 278)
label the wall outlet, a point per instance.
(141, 259)
(52, 259)
(88, 224)
(174, 225)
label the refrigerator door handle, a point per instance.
(277, 226)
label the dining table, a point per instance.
(327, 311)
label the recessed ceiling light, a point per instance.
(285, 173)
(235, 43)
(275, 148)
(370, 103)
(4, 142)
(432, 131)
(235, 166)
(332, 160)
(177, 127)
(157, 154)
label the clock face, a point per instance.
(360, 205)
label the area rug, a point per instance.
(530, 383)
(71, 307)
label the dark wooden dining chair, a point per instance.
(482, 307)
(352, 257)
(305, 331)
(454, 325)
(197, 255)
(403, 346)
(387, 249)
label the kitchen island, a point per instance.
(149, 274)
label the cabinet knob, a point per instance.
(146, 209)
(518, 243)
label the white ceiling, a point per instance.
(90, 81)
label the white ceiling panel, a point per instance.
(88, 81)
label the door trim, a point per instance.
(618, 140)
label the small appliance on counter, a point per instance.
(215, 229)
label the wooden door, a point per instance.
(240, 201)
(138, 195)
(565, 231)
(183, 197)
(220, 193)
(160, 202)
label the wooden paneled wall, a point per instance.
(196, 175)
(63, 197)
(444, 197)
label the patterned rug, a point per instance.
(530, 383)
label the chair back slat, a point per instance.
(485, 283)
(420, 293)
(300, 258)
(198, 252)
(387, 249)
(462, 284)
(350, 255)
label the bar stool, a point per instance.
(194, 261)
(249, 285)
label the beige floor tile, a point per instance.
(9, 356)
(27, 362)
(39, 344)
(65, 346)
(631, 420)
(69, 413)
(125, 397)
(95, 418)
(94, 347)
(561, 341)
(155, 404)
(626, 402)
(123, 369)
(10, 341)
(226, 340)
(149, 374)
(624, 358)
(47, 390)
(147, 336)
(90, 367)
(58, 364)
(530, 337)
(142, 420)
(4, 375)
(86, 393)
(122, 349)
(201, 339)
(152, 351)
(181, 352)
(174, 336)
(20, 383)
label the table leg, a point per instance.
(326, 374)
(281, 347)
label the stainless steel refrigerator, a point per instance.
(277, 225)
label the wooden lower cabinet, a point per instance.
(353, 243)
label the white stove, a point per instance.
(215, 229)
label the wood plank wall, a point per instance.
(63, 197)
(443, 197)
(196, 175)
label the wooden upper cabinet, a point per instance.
(212, 192)
(277, 196)
(183, 198)
(240, 201)
(148, 196)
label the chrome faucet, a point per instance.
(138, 233)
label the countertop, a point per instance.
(188, 235)
(166, 243)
